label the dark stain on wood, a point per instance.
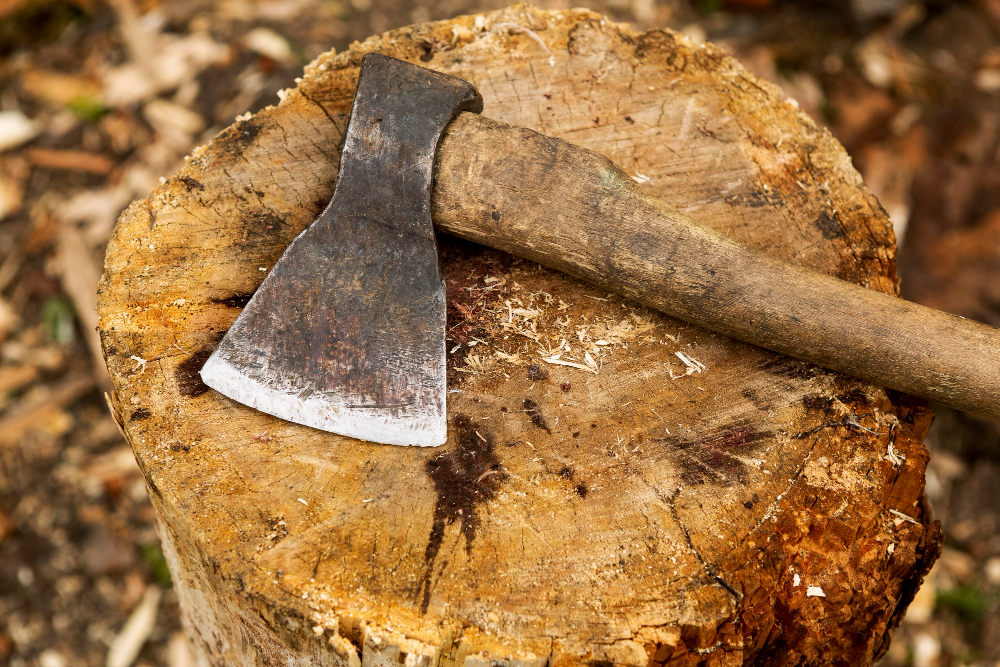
(828, 226)
(657, 42)
(234, 301)
(817, 402)
(759, 402)
(534, 412)
(753, 199)
(464, 477)
(262, 225)
(581, 489)
(242, 133)
(188, 373)
(250, 189)
(789, 368)
(191, 183)
(140, 414)
(716, 457)
(853, 395)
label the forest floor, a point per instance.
(912, 90)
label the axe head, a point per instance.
(347, 331)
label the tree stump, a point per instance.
(618, 488)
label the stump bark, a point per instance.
(618, 488)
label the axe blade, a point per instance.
(347, 331)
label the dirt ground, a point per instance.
(912, 89)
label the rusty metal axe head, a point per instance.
(346, 333)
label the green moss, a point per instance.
(57, 320)
(153, 555)
(967, 602)
(87, 108)
(706, 7)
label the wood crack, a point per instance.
(709, 568)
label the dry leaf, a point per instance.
(177, 59)
(58, 89)
(15, 129)
(270, 44)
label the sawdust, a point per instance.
(529, 328)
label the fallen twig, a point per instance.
(69, 160)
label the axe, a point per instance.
(347, 331)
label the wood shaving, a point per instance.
(514, 359)
(518, 29)
(140, 364)
(572, 364)
(691, 366)
(895, 457)
(475, 363)
(904, 517)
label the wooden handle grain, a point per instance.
(563, 206)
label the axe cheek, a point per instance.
(347, 332)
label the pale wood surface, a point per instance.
(635, 514)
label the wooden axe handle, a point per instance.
(570, 209)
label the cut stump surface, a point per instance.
(618, 488)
